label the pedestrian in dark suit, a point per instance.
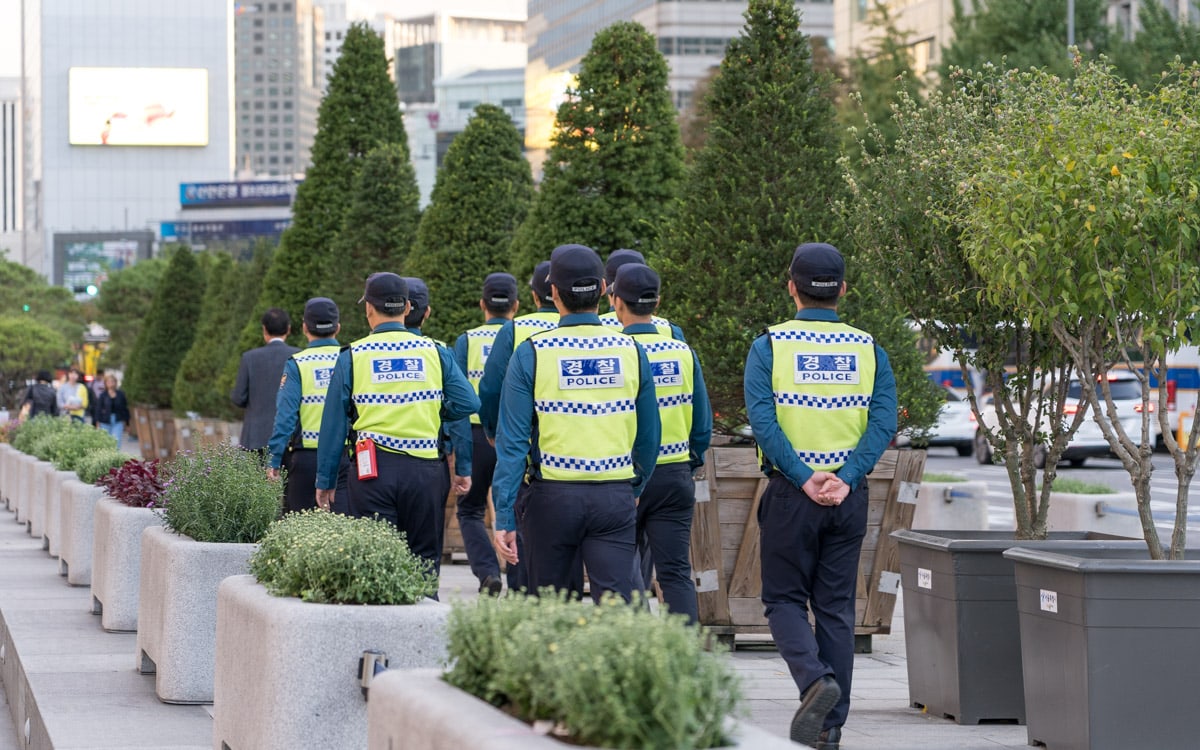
(258, 378)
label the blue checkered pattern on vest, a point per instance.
(814, 458)
(665, 402)
(398, 398)
(822, 402)
(399, 444)
(475, 374)
(672, 449)
(318, 398)
(588, 408)
(584, 464)
(665, 346)
(575, 342)
(393, 346)
(309, 435)
(816, 337)
(548, 325)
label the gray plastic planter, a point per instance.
(960, 620)
(1110, 646)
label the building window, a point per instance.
(258, 23)
(258, 146)
(258, 91)
(287, 159)
(274, 119)
(273, 132)
(272, 7)
(328, 36)
(258, 36)
(274, 159)
(287, 145)
(258, 132)
(287, 6)
(273, 146)
(258, 77)
(273, 91)
(273, 104)
(258, 119)
(468, 104)
(258, 105)
(287, 103)
(512, 102)
(288, 118)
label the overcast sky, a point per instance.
(10, 38)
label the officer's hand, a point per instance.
(815, 487)
(505, 543)
(492, 441)
(325, 499)
(462, 485)
(272, 473)
(835, 491)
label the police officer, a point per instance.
(664, 511)
(395, 389)
(822, 403)
(298, 407)
(590, 392)
(616, 259)
(471, 350)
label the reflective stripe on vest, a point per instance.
(397, 390)
(479, 346)
(822, 378)
(536, 322)
(585, 389)
(674, 385)
(316, 367)
(662, 324)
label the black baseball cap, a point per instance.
(540, 282)
(818, 270)
(576, 268)
(618, 258)
(637, 283)
(387, 292)
(321, 316)
(418, 292)
(500, 289)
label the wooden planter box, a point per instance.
(162, 432)
(77, 523)
(416, 710)
(285, 669)
(117, 561)
(725, 543)
(145, 437)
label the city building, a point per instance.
(692, 35)
(122, 99)
(10, 167)
(1123, 14)
(338, 15)
(280, 77)
(231, 216)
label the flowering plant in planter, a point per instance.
(92, 467)
(594, 670)
(8, 430)
(325, 557)
(134, 483)
(219, 493)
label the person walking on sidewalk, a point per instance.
(110, 412)
(257, 385)
(74, 397)
(821, 399)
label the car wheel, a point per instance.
(983, 451)
(965, 449)
(1039, 457)
(1077, 463)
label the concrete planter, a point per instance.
(43, 472)
(77, 522)
(285, 669)
(1114, 513)
(117, 561)
(23, 464)
(177, 611)
(960, 620)
(1110, 641)
(416, 710)
(52, 533)
(7, 472)
(951, 505)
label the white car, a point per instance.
(954, 427)
(1088, 441)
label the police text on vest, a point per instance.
(397, 368)
(840, 369)
(590, 372)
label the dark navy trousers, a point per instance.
(664, 535)
(409, 493)
(810, 559)
(473, 505)
(300, 492)
(565, 522)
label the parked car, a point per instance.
(1088, 441)
(954, 427)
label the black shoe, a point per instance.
(830, 739)
(818, 701)
(491, 586)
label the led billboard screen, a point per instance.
(138, 106)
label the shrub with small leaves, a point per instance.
(91, 468)
(76, 443)
(325, 557)
(134, 483)
(8, 430)
(609, 676)
(33, 430)
(219, 494)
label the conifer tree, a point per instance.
(122, 305)
(482, 195)
(360, 112)
(378, 231)
(249, 288)
(197, 387)
(616, 160)
(168, 332)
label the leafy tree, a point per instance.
(196, 387)
(1144, 59)
(1026, 33)
(1080, 209)
(616, 159)
(762, 184)
(29, 345)
(378, 232)
(52, 306)
(694, 121)
(249, 287)
(123, 303)
(360, 112)
(168, 332)
(482, 195)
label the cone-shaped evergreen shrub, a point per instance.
(168, 332)
(197, 387)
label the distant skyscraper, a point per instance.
(280, 76)
(10, 162)
(339, 14)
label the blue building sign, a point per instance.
(200, 231)
(221, 194)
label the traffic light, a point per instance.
(25, 308)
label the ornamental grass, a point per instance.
(219, 493)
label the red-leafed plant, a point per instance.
(134, 483)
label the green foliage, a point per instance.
(29, 346)
(378, 231)
(92, 467)
(219, 494)
(763, 184)
(242, 339)
(123, 306)
(360, 112)
(326, 557)
(1144, 59)
(616, 157)
(935, 477)
(168, 332)
(34, 431)
(50, 306)
(197, 387)
(1024, 33)
(1080, 487)
(613, 675)
(67, 448)
(482, 195)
